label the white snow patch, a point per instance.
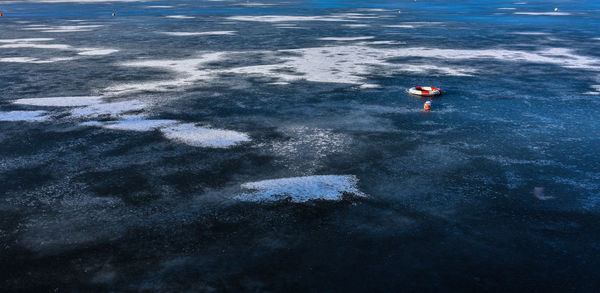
(26, 40)
(193, 135)
(531, 33)
(349, 64)
(63, 28)
(61, 101)
(188, 73)
(369, 86)
(179, 16)
(187, 34)
(543, 13)
(33, 60)
(23, 116)
(301, 189)
(594, 93)
(96, 52)
(285, 18)
(400, 26)
(345, 38)
(356, 25)
(37, 46)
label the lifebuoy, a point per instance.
(426, 91)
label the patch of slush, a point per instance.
(34, 116)
(61, 101)
(301, 189)
(180, 16)
(131, 124)
(112, 109)
(187, 34)
(197, 136)
(543, 13)
(345, 38)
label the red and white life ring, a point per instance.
(426, 91)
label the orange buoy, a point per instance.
(427, 106)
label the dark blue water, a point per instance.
(145, 185)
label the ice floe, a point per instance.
(187, 34)
(301, 189)
(190, 134)
(61, 101)
(23, 116)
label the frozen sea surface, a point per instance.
(271, 146)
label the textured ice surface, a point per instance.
(198, 136)
(301, 189)
(61, 101)
(23, 116)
